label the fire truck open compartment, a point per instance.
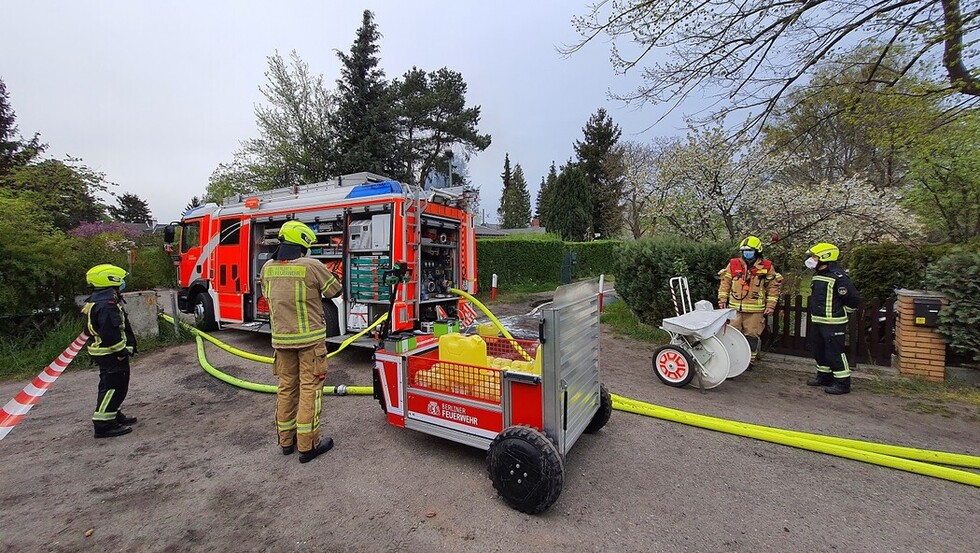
(364, 224)
(527, 403)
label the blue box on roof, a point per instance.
(376, 189)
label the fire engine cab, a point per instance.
(364, 224)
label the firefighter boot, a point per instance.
(110, 429)
(124, 420)
(822, 379)
(307, 456)
(840, 386)
(288, 449)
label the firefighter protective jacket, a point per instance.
(296, 315)
(832, 296)
(108, 325)
(749, 289)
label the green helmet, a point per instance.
(751, 243)
(105, 276)
(297, 233)
(825, 252)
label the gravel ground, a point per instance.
(202, 472)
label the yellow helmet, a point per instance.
(105, 276)
(751, 243)
(825, 252)
(297, 233)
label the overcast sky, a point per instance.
(155, 95)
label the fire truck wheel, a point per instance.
(525, 468)
(204, 312)
(673, 365)
(330, 317)
(601, 416)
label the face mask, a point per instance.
(810, 263)
(748, 254)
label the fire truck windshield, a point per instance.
(190, 236)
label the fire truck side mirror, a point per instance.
(169, 233)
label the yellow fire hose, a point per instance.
(494, 320)
(918, 461)
(267, 388)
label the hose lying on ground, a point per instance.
(919, 461)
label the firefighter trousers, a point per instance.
(300, 395)
(828, 349)
(751, 325)
(113, 387)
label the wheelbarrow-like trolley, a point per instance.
(527, 403)
(703, 347)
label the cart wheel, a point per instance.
(601, 416)
(525, 468)
(673, 365)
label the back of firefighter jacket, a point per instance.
(293, 289)
(108, 325)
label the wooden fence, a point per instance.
(870, 331)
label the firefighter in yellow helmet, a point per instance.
(832, 298)
(750, 285)
(112, 343)
(293, 285)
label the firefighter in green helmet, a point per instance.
(293, 284)
(832, 298)
(112, 344)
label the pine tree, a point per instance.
(14, 151)
(603, 174)
(508, 177)
(364, 121)
(570, 212)
(195, 202)
(517, 213)
(545, 196)
(131, 209)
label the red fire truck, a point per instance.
(364, 224)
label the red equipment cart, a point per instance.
(526, 405)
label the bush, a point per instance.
(518, 262)
(958, 277)
(879, 269)
(643, 270)
(593, 258)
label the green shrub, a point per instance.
(878, 269)
(958, 277)
(518, 262)
(593, 258)
(643, 270)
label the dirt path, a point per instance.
(201, 472)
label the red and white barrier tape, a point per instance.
(15, 410)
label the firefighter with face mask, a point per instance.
(750, 285)
(112, 343)
(293, 285)
(832, 298)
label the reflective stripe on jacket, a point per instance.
(749, 289)
(832, 296)
(107, 323)
(293, 289)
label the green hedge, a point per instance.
(958, 277)
(593, 258)
(534, 260)
(518, 262)
(878, 269)
(643, 270)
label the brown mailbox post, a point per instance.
(921, 350)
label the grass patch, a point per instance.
(929, 408)
(619, 317)
(25, 357)
(923, 390)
